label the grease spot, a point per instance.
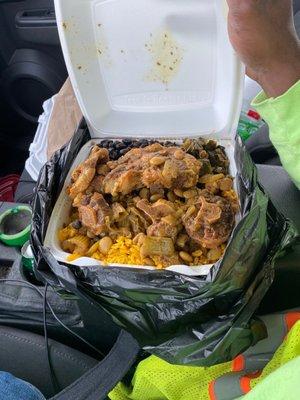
(166, 57)
(64, 24)
(103, 51)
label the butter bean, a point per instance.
(155, 197)
(197, 253)
(105, 245)
(181, 240)
(190, 211)
(209, 178)
(179, 154)
(144, 193)
(178, 192)
(214, 254)
(186, 257)
(157, 160)
(90, 235)
(171, 196)
(188, 194)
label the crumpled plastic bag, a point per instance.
(186, 320)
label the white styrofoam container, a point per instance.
(149, 68)
(112, 49)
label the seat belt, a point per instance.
(100, 380)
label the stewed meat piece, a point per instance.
(164, 167)
(161, 208)
(210, 220)
(163, 228)
(94, 213)
(83, 175)
(163, 217)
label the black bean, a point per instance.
(211, 145)
(76, 224)
(113, 154)
(110, 143)
(206, 167)
(124, 151)
(144, 143)
(127, 142)
(120, 145)
(104, 143)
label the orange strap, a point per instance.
(238, 364)
(236, 381)
(291, 318)
(245, 381)
(211, 391)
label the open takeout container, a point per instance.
(155, 69)
(184, 320)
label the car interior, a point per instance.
(78, 335)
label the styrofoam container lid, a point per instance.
(152, 67)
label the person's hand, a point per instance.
(263, 34)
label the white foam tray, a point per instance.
(119, 54)
(61, 212)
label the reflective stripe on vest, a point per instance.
(247, 366)
(227, 387)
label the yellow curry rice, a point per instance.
(123, 251)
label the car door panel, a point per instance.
(32, 69)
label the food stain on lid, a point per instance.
(166, 56)
(81, 52)
(102, 47)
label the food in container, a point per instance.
(151, 203)
(117, 66)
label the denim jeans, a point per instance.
(12, 388)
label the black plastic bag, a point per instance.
(198, 321)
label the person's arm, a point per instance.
(263, 34)
(283, 117)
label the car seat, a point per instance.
(23, 354)
(80, 377)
